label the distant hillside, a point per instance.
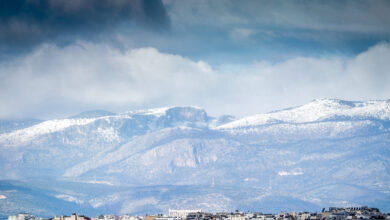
(325, 153)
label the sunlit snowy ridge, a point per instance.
(50, 126)
(318, 110)
(23, 136)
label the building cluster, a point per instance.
(333, 213)
(26, 216)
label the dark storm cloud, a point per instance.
(28, 22)
(332, 15)
(277, 29)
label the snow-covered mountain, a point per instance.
(325, 153)
(317, 111)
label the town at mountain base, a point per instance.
(351, 213)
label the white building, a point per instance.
(262, 217)
(182, 213)
(304, 216)
(23, 216)
(168, 218)
(128, 217)
(72, 217)
(237, 216)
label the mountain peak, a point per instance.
(318, 110)
(333, 101)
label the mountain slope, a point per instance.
(319, 110)
(325, 153)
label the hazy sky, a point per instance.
(61, 57)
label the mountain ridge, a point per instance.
(317, 110)
(259, 119)
(324, 153)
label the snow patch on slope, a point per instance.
(69, 198)
(100, 182)
(296, 172)
(101, 201)
(27, 134)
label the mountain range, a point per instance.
(325, 153)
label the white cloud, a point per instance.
(83, 76)
(98, 76)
